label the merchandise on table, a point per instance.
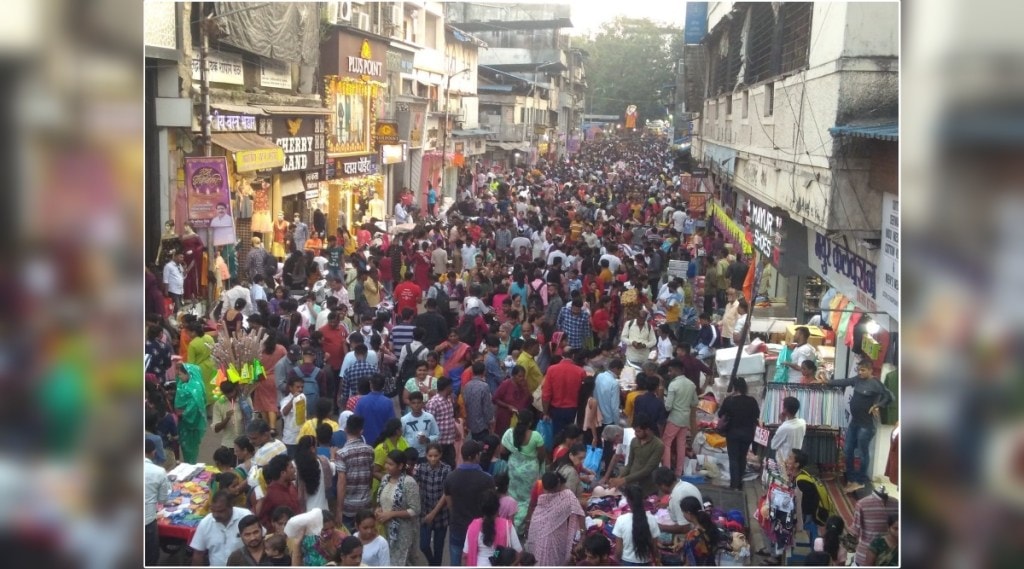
(189, 498)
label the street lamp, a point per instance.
(447, 101)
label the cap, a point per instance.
(256, 241)
(302, 333)
(294, 351)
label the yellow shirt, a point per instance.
(533, 375)
(630, 402)
(309, 427)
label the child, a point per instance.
(275, 546)
(412, 458)
(293, 411)
(575, 283)
(591, 412)
(350, 552)
(597, 551)
(279, 518)
(665, 346)
(526, 559)
(507, 505)
(600, 321)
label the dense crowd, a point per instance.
(451, 384)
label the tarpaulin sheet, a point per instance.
(284, 31)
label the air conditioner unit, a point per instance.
(363, 23)
(342, 12)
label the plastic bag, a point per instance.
(781, 371)
(547, 431)
(593, 460)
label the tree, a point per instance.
(632, 61)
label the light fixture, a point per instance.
(872, 327)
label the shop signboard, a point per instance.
(224, 68)
(889, 261)
(766, 225)
(302, 138)
(275, 74)
(387, 132)
(700, 172)
(698, 203)
(848, 272)
(394, 153)
(311, 179)
(696, 25)
(209, 196)
(351, 166)
(230, 122)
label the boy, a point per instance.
(790, 434)
(419, 427)
(293, 412)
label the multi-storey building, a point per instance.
(799, 130)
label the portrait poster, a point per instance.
(209, 197)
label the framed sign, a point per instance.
(209, 197)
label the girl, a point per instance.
(570, 436)
(398, 508)
(200, 354)
(636, 533)
(313, 472)
(507, 505)
(350, 553)
(488, 532)
(233, 317)
(265, 396)
(190, 400)
(834, 529)
(430, 476)
(884, 549)
(591, 413)
(702, 541)
(569, 467)
(375, 548)
(323, 411)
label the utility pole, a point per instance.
(444, 132)
(204, 80)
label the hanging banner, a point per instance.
(698, 203)
(631, 116)
(889, 262)
(766, 226)
(209, 197)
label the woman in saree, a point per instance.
(200, 354)
(190, 399)
(398, 509)
(453, 358)
(555, 522)
(526, 453)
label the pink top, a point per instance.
(507, 508)
(501, 528)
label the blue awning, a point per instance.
(495, 88)
(880, 131)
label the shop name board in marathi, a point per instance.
(232, 123)
(362, 166)
(833, 256)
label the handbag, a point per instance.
(593, 460)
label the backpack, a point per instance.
(309, 382)
(411, 361)
(442, 298)
(826, 508)
(467, 329)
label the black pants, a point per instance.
(152, 544)
(448, 455)
(737, 448)
(709, 303)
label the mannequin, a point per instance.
(319, 221)
(261, 222)
(280, 230)
(300, 231)
(195, 263)
(169, 243)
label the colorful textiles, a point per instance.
(819, 405)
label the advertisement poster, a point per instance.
(209, 198)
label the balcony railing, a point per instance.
(508, 132)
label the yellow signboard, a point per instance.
(260, 159)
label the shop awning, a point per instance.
(238, 109)
(470, 132)
(889, 130)
(251, 151)
(290, 110)
(521, 146)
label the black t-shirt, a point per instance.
(743, 413)
(809, 499)
(465, 486)
(435, 328)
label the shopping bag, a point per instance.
(761, 436)
(593, 460)
(547, 431)
(781, 371)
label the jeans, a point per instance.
(811, 527)
(455, 552)
(675, 433)
(703, 351)
(737, 449)
(432, 544)
(152, 544)
(858, 438)
(561, 418)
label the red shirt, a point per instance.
(600, 320)
(474, 232)
(278, 494)
(384, 268)
(562, 384)
(407, 295)
(333, 343)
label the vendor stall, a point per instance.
(187, 503)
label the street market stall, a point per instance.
(186, 505)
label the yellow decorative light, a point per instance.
(727, 224)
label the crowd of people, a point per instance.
(443, 396)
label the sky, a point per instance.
(588, 15)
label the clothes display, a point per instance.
(261, 222)
(819, 405)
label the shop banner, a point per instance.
(766, 225)
(889, 263)
(209, 197)
(302, 138)
(387, 132)
(224, 67)
(276, 74)
(351, 166)
(848, 272)
(698, 203)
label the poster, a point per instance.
(209, 197)
(889, 260)
(631, 116)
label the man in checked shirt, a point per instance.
(442, 407)
(575, 322)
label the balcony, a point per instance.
(508, 132)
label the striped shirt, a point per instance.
(400, 336)
(870, 520)
(355, 461)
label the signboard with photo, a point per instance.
(209, 197)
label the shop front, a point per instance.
(354, 93)
(301, 134)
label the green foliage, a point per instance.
(632, 61)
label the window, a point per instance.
(796, 34)
(728, 105)
(407, 87)
(746, 102)
(769, 99)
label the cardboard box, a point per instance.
(817, 335)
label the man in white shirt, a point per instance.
(469, 252)
(790, 434)
(741, 320)
(668, 483)
(157, 488)
(217, 534)
(679, 220)
(803, 351)
(239, 292)
(401, 216)
(520, 242)
(174, 278)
